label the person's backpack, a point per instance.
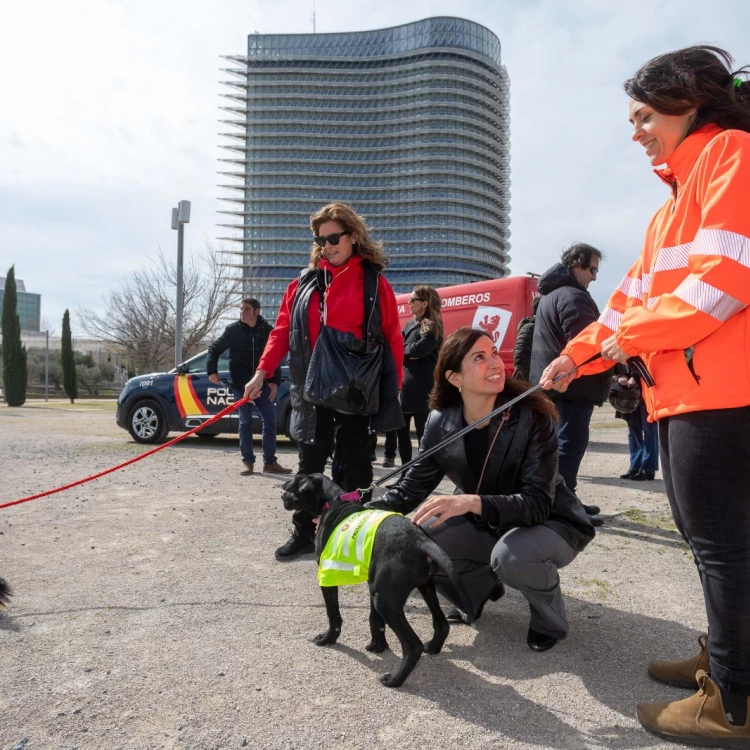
(524, 341)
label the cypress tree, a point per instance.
(70, 381)
(14, 352)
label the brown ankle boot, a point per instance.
(682, 673)
(698, 720)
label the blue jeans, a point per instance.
(643, 440)
(705, 459)
(572, 438)
(267, 411)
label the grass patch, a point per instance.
(635, 515)
(601, 586)
(650, 519)
(108, 405)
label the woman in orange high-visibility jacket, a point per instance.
(683, 307)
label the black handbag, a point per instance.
(344, 373)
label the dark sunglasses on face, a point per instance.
(415, 299)
(594, 270)
(333, 239)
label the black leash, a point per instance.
(635, 362)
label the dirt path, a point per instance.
(149, 613)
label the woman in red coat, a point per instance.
(345, 262)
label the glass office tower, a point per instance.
(410, 125)
(28, 306)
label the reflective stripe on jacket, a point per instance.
(684, 304)
(346, 557)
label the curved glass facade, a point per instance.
(410, 125)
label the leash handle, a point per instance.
(640, 367)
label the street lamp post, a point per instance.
(46, 365)
(180, 217)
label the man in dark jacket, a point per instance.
(246, 339)
(565, 309)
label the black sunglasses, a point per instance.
(332, 238)
(594, 270)
(415, 299)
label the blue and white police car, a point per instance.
(150, 406)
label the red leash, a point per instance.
(232, 407)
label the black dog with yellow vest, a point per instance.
(394, 557)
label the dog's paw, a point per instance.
(432, 648)
(327, 638)
(388, 680)
(377, 647)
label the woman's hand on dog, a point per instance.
(446, 506)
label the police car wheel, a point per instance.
(146, 423)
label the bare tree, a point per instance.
(46, 326)
(140, 313)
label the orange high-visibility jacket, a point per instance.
(683, 306)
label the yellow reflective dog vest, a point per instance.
(346, 557)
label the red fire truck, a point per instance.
(495, 306)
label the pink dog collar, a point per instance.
(347, 497)
(350, 497)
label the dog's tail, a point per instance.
(445, 564)
(5, 592)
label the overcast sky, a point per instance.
(109, 115)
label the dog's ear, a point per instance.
(306, 484)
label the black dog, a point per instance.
(5, 592)
(403, 558)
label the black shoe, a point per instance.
(592, 510)
(457, 615)
(629, 474)
(498, 591)
(643, 476)
(539, 641)
(300, 543)
(389, 463)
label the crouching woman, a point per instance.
(512, 520)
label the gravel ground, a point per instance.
(149, 612)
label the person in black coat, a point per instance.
(423, 337)
(565, 309)
(512, 520)
(246, 339)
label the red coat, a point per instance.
(345, 308)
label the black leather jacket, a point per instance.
(521, 486)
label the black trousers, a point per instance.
(706, 466)
(354, 446)
(403, 436)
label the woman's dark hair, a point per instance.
(455, 348)
(432, 321)
(580, 254)
(700, 78)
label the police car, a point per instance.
(150, 406)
